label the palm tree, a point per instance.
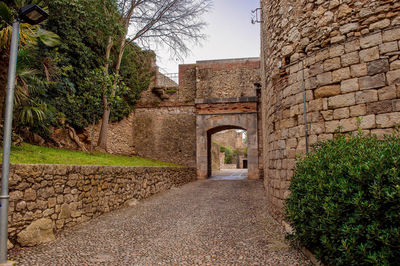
(29, 110)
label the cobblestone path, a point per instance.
(205, 222)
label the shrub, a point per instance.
(345, 201)
(228, 153)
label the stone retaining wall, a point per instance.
(69, 195)
(348, 52)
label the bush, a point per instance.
(228, 153)
(345, 201)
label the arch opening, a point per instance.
(227, 153)
(209, 124)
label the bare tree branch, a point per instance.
(174, 23)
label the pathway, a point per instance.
(205, 222)
(230, 174)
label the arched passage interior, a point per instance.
(230, 137)
(207, 125)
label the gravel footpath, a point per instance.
(204, 222)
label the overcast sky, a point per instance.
(230, 35)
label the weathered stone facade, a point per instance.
(163, 124)
(68, 195)
(230, 138)
(348, 53)
(229, 78)
(166, 134)
(212, 118)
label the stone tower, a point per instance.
(345, 54)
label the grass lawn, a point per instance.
(31, 154)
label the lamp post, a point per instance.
(33, 15)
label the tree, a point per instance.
(84, 27)
(174, 23)
(29, 37)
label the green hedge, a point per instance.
(345, 201)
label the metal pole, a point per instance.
(7, 143)
(305, 108)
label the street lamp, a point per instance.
(33, 15)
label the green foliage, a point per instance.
(228, 154)
(345, 201)
(171, 90)
(136, 74)
(30, 154)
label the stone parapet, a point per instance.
(69, 195)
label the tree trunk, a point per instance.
(102, 141)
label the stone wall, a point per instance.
(215, 160)
(229, 78)
(120, 136)
(348, 52)
(230, 138)
(69, 195)
(165, 133)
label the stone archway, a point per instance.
(217, 115)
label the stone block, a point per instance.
(317, 128)
(344, 11)
(377, 67)
(332, 126)
(348, 125)
(38, 232)
(396, 105)
(341, 74)
(322, 55)
(370, 54)
(391, 35)
(381, 133)
(358, 110)
(327, 91)
(352, 46)
(324, 137)
(388, 47)
(388, 120)
(338, 39)
(9, 244)
(387, 93)
(349, 85)
(327, 115)
(366, 96)
(324, 78)
(384, 23)
(332, 64)
(395, 65)
(371, 40)
(314, 105)
(343, 100)
(398, 90)
(287, 50)
(65, 212)
(346, 28)
(393, 77)
(30, 195)
(336, 51)
(367, 122)
(372, 82)
(350, 59)
(341, 113)
(358, 70)
(380, 107)
(291, 143)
